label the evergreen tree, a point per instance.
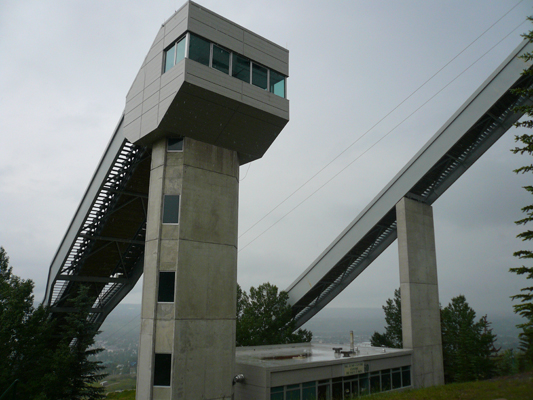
(393, 330)
(467, 344)
(39, 351)
(525, 146)
(265, 317)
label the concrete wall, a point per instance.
(198, 329)
(419, 291)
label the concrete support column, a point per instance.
(197, 330)
(419, 291)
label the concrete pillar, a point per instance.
(197, 329)
(420, 291)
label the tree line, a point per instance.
(468, 344)
(46, 358)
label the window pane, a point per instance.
(171, 208)
(180, 50)
(347, 389)
(324, 392)
(199, 50)
(220, 59)
(174, 144)
(363, 384)
(259, 76)
(406, 376)
(166, 287)
(375, 386)
(385, 380)
(292, 394)
(309, 391)
(276, 396)
(396, 379)
(277, 83)
(336, 390)
(240, 68)
(169, 58)
(355, 388)
(162, 368)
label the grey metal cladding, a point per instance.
(176, 19)
(155, 51)
(194, 100)
(134, 102)
(152, 88)
(137, 86)
(149, 120)
(151, 102)
(214, 80)
(267, 53)
(230, 42)
(214, 27)
(152, 70)
(175, 33)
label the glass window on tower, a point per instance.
(165, 293)
(259, 76)
(174, 54)
(199, 49)
(221, 59)
(162, 369)
(240, 68)
(171, 209)
(277, 83)
(175, 144)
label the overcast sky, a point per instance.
(66, 67)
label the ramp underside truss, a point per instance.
(375, 228)
(104, 247)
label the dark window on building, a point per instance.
(221, 59)
(240, 68)
(324, 392)
(375, 384)
(385, 380)
(309, 391)
(336, 388)
(259, 76)
(363, 385)
(406, 376)
(293, 392)
(165, 294)
(355, 388)
(199, 50)
(396, 378)
(276, 393)
(175, 144)
(277, 83)
(162, 369)
(171, 209)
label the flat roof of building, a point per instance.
(298, 354)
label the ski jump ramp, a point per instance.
(103, 247)
(465, 137)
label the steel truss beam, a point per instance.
(103, 248)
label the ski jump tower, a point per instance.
(209, 97)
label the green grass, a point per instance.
(125, 395)
(119, 382)
(516, 387)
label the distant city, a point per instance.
(120, 332)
